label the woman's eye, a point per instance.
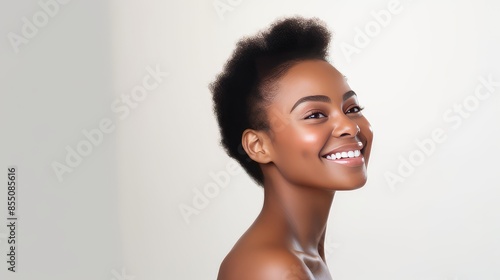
(316, 115)
(353, 110)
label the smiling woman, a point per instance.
(294, 124)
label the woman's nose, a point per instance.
(343, 126)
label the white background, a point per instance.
(116, 215)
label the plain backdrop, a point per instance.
(117, 213)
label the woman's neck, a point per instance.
(300, 211)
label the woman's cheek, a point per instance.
(310, 138)
(367, 136)
(367, 130)
(310, 143)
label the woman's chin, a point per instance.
(348, 185)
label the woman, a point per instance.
(294, 124)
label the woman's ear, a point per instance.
(256, 145)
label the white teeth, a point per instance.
(348, 154)
(332, 157)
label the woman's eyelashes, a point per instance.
(315, 115)
(319, 114)
(354, 109)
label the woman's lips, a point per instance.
(351, 162)
(349, 154)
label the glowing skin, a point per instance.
(314, 113)
(315, 128)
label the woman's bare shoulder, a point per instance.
(262, 263)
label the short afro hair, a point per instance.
(244, 88)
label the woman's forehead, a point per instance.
(311, 77)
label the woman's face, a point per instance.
(319, 137)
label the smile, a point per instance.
(350, 154)
(341, 155)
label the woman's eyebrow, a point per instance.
(348, 95)
(321, 98)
